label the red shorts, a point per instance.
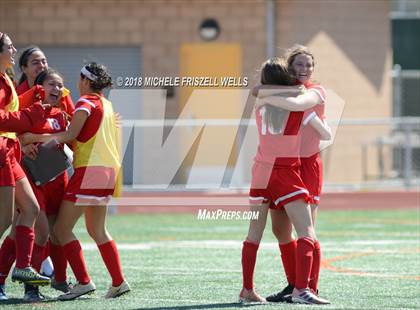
(311, 172)
(10, 169)
(50, 195)
(91, 183)
(276, 185)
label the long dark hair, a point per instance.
(274, 71)
(24, 58)
(2, 38)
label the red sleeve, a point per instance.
(84, 104)
(32, 95)
(22, 121)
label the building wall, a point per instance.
(350, 40)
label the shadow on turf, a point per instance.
(48, 300)
(20, 301)
(208, 306)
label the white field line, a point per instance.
(237, 244)
(187, 271)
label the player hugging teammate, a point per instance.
(287, 175)
(51, 212)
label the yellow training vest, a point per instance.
(103, 148)
(13, 106)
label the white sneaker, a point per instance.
(116, 291)
(78, 290)
(307, 296)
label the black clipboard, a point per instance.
(50, 162)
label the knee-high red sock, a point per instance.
(25, 238)
(38, 256)
(59, 262)
(74, 255)
(288, 257)
(111, 259)
(249, 258)
(304, 257)
(316, 266)
(7, 258)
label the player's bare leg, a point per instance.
(29, 210)
(249, 253)
(95, 217)
(301, 217)
(63, 229)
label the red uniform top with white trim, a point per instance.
(310, 137)
(278, 146)
(93, 106)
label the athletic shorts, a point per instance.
(50, 195)
(10, 169)
(276, 185)
(311, 172)
(91, 184)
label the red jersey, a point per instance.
(54, 121)
(93, 106)
(278, 146)
(310, 137)
(66, 101)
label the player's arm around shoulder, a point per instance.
(319, 125)
(69, 135)
(300, 103)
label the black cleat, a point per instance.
(284, 296)
(32, 294)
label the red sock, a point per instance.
(304, 252)
(111, 259)
(59, 262)
(38, 256)
(249, 257)
(7, 258)
(316, 267)
(25, 238)
(74, 255)
(288, 257)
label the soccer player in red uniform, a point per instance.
(49, 196)
(13, 182)
(32, 61)
(96, 162)
(276, 181)
(301, 63)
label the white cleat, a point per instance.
(307, 296)
(117, 291)
(78, 290)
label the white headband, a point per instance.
(88, 74)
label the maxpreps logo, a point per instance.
(219, 214)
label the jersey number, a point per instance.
(54, 124)
(270, 116)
